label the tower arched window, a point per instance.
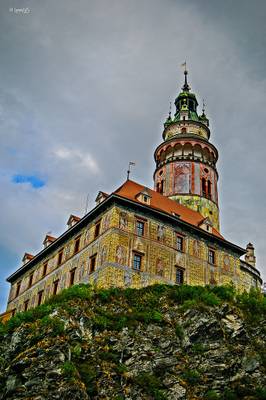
(209, 189)
(203, 186)
(162, 186)
(183, 130)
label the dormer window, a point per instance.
(144, 196)
(72, 220)
(101, 197)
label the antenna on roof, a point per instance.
(131, 163)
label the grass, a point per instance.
(139, 305)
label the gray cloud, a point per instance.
(85, 87)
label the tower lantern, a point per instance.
(186, 160)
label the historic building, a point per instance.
(136, 236)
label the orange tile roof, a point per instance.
(130, 189)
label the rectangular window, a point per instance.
(55, 287)
(97, 229)
(77, 244)
(18, 288)
(31, 279)
(13, 312)
(137, 261)
(93, 264)
(179, 276)
(60, 257)
(40, 296)
(211, 256)
(44, 271)
(72, 277)
(140, 228)
(179, 243)
(26, 305)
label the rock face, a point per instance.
(134, 344)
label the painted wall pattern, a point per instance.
(114, 260)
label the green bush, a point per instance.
(260, 393)
(198, 348)
(191, 376)
(253, 304)
(229, 395)
(226, 293)
(179, 331)
(151, 385)
(69, 370)
(54, 324)
(211, 395)
(88, 374)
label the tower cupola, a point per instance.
(186, 160)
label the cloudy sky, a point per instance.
(85, 87)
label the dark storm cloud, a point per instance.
(85, 87)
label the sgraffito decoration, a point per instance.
(159, 267)
(103, 255)
(123, 220)
(87, 236)
(196, 248)
(182, 177)
(127, 278)
(120, 254)
(106, 222)
(226, 263)
(160, 232)
(67, 251)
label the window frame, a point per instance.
(72, 274)
(44, 269)
(18, 288)
(77, 244)
(26, 305)
(211, 256)
(93, 260)
(136, 254)
(137, 229)
(55, 286)
(60, 257)
(30, 283)
(40, 297)
(182, 238)
(182, 275)
(97, 229)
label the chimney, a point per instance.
(48, 240)
(26, 258)
(250, 255)
(72, 220)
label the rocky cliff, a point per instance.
(160, 342)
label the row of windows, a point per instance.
(59, 258)
(137, 261)
(140, 231)
(55, 284)
(137, 265)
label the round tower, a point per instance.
(186, 160)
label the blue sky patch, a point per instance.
(34, 181)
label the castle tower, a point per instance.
(186, 160)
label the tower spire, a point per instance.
(186, 87)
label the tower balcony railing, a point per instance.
(187, 157)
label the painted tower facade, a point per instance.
(186, 160)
